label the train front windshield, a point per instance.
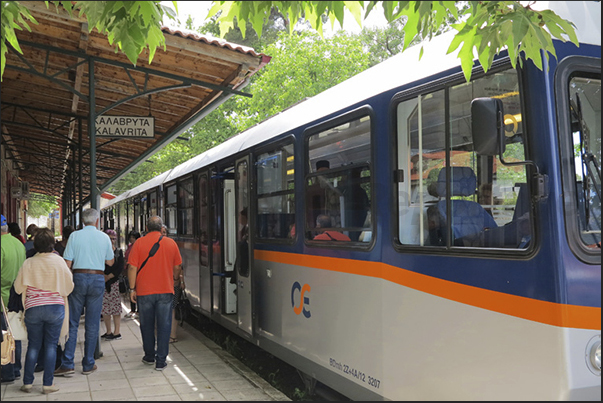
(585, 110)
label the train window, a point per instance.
(136, 217)
(171, 221)
(204, 200)
(126, 217)
(110, 217)
(186, 202)
(275, 193)
(143, 212)
(488, 204)
(153, 203)
(338, 186)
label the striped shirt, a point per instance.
(37, 297)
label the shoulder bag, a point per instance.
(151, 253)
(17, 324)
(8, 341)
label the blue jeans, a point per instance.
(43, 330)
(11, 371)
(155, 310)
(87, 293)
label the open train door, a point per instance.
(229, 248)
(243, 235)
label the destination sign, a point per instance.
(125, 126)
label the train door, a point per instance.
(243, 245)
(229, 247)
(205, 244)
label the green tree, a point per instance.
(302, 66)
(486, 27)
(40, 205)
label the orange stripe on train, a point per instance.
(550, 313)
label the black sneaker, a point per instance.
(114, 336)
(148, 362)
(159, 367)
(107, 336)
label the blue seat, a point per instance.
(469, 219)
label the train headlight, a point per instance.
(593, 355)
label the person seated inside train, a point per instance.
(356, 202)
(324, 221)
(321, 195)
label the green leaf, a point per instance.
(559, 27)
(355, 9)
(148, 12)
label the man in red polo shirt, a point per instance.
(152, 289)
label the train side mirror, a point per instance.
(487, 126)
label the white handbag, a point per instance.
(8, 341)
(17, 324)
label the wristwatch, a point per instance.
(132, 289)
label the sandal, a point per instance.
(173, 339)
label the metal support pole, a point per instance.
(92, 134)
(80, 182)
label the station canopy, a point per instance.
(68, 79)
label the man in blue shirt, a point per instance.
(86, 253)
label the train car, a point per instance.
(408, 235)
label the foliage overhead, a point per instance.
(485, 28)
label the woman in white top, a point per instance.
(44, 282)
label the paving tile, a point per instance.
(71, 387)
(165, 398)
(70, 397)
(110, 375)
(232, 384)
(159, 380)
(245, 394)
(203, 396)
(159, 390)
(96, 385)
(114, 394)
(185, 377)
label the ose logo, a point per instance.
(303, 301)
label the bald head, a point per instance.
(154, 224)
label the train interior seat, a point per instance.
(469, 219)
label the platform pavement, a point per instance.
(198, 369)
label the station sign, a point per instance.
(125, 126)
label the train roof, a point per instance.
(150, 184)
(397, 71)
